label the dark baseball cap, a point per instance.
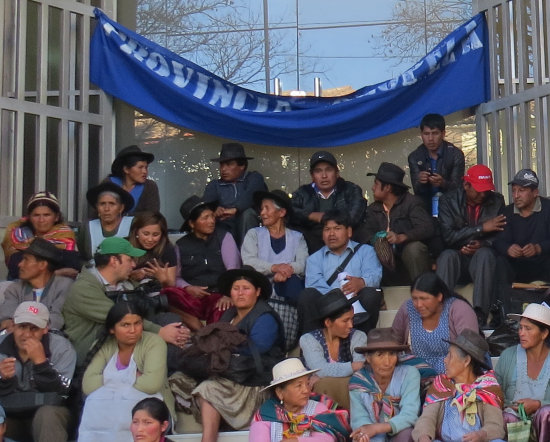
(322, 156)
(526, 178)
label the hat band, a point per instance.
(291, 375)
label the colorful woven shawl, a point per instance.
(384, 406)
(334, 422)
(465, 396)
(18, 238)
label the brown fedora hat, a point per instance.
(382, 339)
(473, 344)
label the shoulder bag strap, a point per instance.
(343, 265)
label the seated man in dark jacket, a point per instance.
(234, 191)
(436, 166)
(36, 368)
(525, 242)
(469, 218)
(327, 191)
(403, 217)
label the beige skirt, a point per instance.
(236, 403)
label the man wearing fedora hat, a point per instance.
(402, 216)
(436, 166)
(234, 191)
(327, 190)
(37, 282)
(470, 218)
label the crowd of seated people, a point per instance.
(100, 321)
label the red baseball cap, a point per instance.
(480, 177)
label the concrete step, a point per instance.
(231, 436)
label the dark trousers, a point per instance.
(309, 315)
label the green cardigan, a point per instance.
(150, 357)
(506, 373)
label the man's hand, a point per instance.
(7, 368)
(175, 333)
(138, 274)
(34, 350)
(225, 213)
(423, 177)
(470, 248)
(515, 251)
(530, 250)
(396, 238)
(495, 224)
(197, 291)
(7, 324)
(316, 217)
(436, 180)
(353, 285)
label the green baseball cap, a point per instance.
(119, 246)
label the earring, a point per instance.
(281, 401)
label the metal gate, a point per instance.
(56, 128)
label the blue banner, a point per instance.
(453, 76)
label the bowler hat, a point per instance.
(333, 301)
(390, 174)
(226, 280)
(126, 199)
(284, 371)
(231, 151)
(41, 248)
(382, 339)
(277, 195)
(189, 206)
(473, 344)
(123, 154)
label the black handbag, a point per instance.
(504, 336)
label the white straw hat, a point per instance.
(536, 312)
(287, 370)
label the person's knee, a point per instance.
(415, 250)
(53, 419)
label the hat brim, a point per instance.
(523, 184)
(93, 194)
(261, 195)
(325, 313)
(226, 280)
(223, 160)
(212, 205)
(289, 378)
(56, 261)
(467, 351)
(392, 182)
(382, 346)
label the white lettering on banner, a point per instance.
(202, 85)
(221, 95)
(224, 94)
(181, 80)
(157, 63)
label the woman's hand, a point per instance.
(424, 438)
(175, 333)
(358, 365)
(224, 303)
(281, 272)
(160, 272)
(313, 380)
(196, 291)
(475, 436)
(365, 432)
(530, 405)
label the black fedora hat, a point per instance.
(93, 194)
(333, 301)
(231, 151)
(473, 344)
(41, 248)
(277, 195)
(129, 151)
(226, 280)
(391, 174)
(190, 205)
